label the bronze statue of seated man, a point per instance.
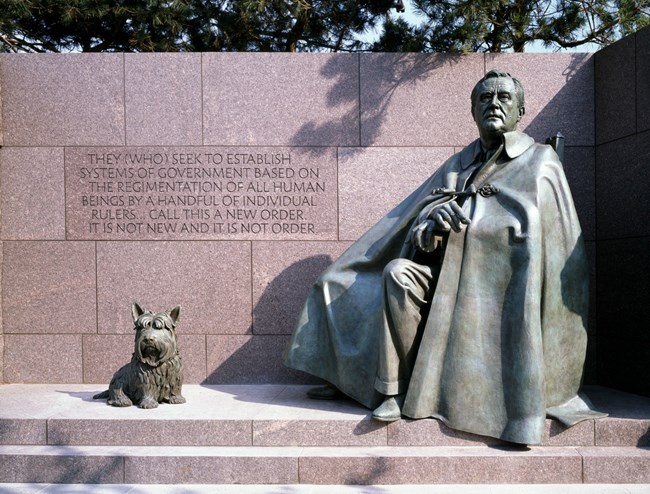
(468, 301)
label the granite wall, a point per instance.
(152, 178)
(623, 213)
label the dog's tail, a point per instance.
(99, 396)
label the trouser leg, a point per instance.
(407, 290)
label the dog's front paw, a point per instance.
(176, 399)
(148, 403)
(121, 401)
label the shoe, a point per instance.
(390, 410)
(327, 392)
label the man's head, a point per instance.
(497, 105)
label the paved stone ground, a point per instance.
(325, 489)
(38, 414)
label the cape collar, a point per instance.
(515, 144)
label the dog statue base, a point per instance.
(155, 373)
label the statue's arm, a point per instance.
(435, 222)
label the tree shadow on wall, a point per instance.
(565, 111)
(370, 98)
(259, 360)
(571, 112)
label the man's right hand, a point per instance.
(426, 236)
(449, 216)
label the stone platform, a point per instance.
(324, 489)
(273, 434)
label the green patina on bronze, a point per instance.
(468, 302)
(155, 372)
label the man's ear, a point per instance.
(522, 112)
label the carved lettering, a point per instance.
(202, 193)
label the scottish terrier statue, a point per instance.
(155, 373)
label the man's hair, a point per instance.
(519, 89)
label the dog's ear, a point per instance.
(137, 311)
(175, 313)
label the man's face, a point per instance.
(496, 109)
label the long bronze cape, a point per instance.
(505, 340)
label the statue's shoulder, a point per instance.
(521, 144)
(545, 155)
(541, 161)
(464, 157)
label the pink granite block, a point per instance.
(194, 354)
(1, 311)
(60, 466)
(375, 180)
(163, 98)
(623, 293)
(615, 75)
(590, 365)
(42, 358)
(23, 431)
(211, 281)
(643, 80)
(559, 92)
(2, 352)
(441, 465)
(225, 466)
(201, 193)
(49, 287)
(580, 169)
(104, 354)
(619, 405)
(319, 433)
(1, 127)
(432, 432)
(32, 195)
(417, 99)
(281, 99)
(2, 336)
(591, 361)
(616, 465)
(234, 359)
(626, 360)
(614, 431)
(283, 274)
(581, 434)
(63, 100)
(149, 432)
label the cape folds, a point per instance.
(505, 339)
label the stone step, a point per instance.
(33, 488)
(317, 465)
(268, 415)
(273, 434)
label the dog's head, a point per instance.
(155, 337)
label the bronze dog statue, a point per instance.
(155, 373)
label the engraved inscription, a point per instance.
(142, 193)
